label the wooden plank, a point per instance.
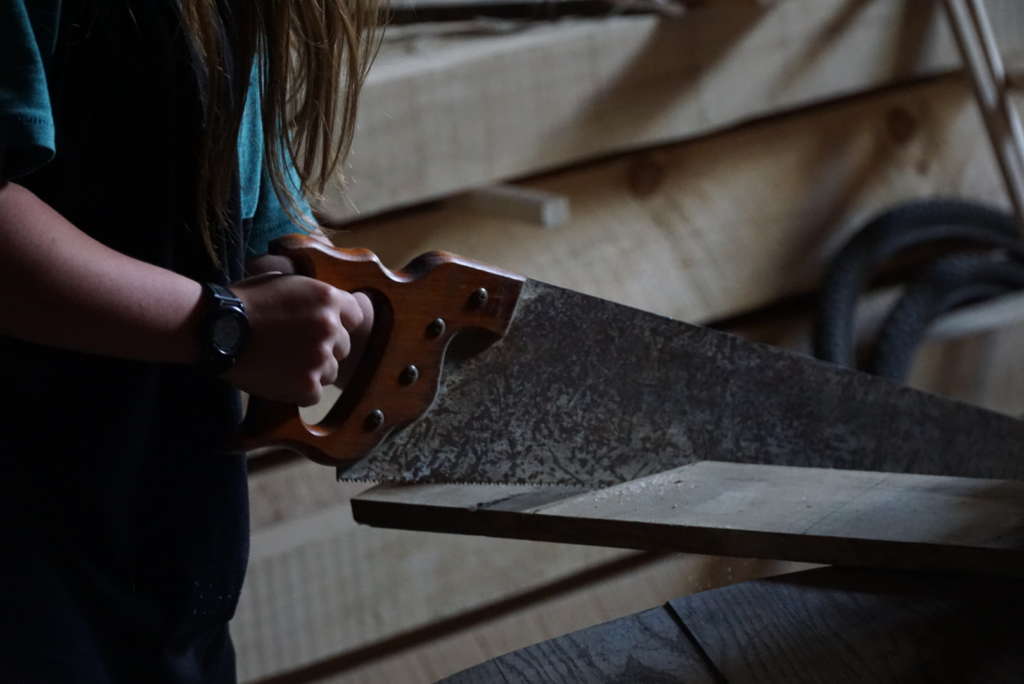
(985, 369)
(884, 520)
(441, 116)
(649, 646)
(303, 558)
(616, 597)
(830, 625)
(295, 490)
(484, 673)
(841, 625)
(722, 225)
(319, 587)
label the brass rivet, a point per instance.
(478, 298)
(409, 375)
(374, 420)
(436, 328)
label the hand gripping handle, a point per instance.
(417, 311)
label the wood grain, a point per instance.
(645, 647)
(871, 519)
(722, 225)
(824, 626)
(443, 115)
(839, 625)
(485, 673)
(386, 605)
(617, 597)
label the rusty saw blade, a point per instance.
(580, 391)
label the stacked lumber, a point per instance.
(684, 201)
(727, 223)
(444, 115)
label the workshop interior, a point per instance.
(697, 353)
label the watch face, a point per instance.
(227, 332)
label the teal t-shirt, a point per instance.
(28, 36)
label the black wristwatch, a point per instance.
(224, 329)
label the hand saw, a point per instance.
(475, 375)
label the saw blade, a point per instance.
(585, 392)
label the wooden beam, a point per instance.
(443, 115)
(883, 520)
(710, 228)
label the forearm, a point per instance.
(60, 287)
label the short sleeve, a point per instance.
(27, 32)
(271, 219)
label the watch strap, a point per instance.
(223, 296)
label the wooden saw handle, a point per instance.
(417, 311)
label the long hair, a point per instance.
(312, 57)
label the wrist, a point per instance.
(184, 342)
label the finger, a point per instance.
(359, 338)
(329, 372)
(350, 310)
(342, 346)
(366, 307)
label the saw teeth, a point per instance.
(359, 480)
(458, 483)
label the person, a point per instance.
(149, 152)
